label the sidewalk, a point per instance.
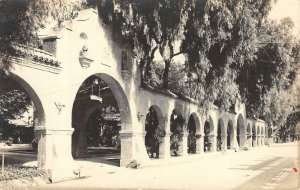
(202, 171)
(206, 171)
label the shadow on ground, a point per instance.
(262, 163)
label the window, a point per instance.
(49, 45)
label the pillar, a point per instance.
(243, 141)
(213, 140)
(164, 147)
(255, 141)
(199, 143)
(126, 138)
(234, 145)
(270, 140)
(269, 137)
(224, 141)
(55, 154)
(249, 139)
(258, 140)
(232, 141)
(183, 147)
(81, 148)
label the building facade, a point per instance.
(85, 48)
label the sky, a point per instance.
(287, 8)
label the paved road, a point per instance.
(279, 173)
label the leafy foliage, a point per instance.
(220, 37)
(102, 129)
(270, 83)
(147, 26)
(192, 137)
(288, 131)
(20, 172)
(13, 104)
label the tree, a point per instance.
(220, 38)
(12, 106)
(148, 26)
(270, 83)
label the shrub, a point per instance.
(12, 172)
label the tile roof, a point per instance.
(36, 54)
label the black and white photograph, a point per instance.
(150, 94)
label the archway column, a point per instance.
(199, 143)
(234, 145)
(232, 141)
(213, 140)
(81, 148)
(224, 141)
(164, 147)
(270, 140)
(183, 146)
(243, 140)
(254, 141)
(249, 139)
(258, 140)
(126, 138)
(54, 152)
(270, 137)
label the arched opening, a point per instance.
(176, 128)
(220, 135)
(192, 135)
(248, 131)
(253, 135)
(154, 134)
(249, 134)
(229, 134)
(259, 136)
(21, 113)
(100, 111)
(241, 131)
(270, 131)
(208, 135)
(207, 143)
(263, 136)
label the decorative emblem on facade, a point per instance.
(59, 107)
(84, 61)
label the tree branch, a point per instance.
(175, 54)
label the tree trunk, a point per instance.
(142, 64)
(147, 69)
(166, 74)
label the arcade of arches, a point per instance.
(90, 100)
